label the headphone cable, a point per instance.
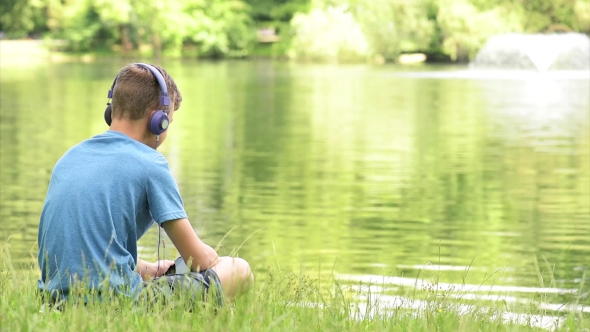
(159, 237)
(159, 232)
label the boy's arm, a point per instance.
(194, 251)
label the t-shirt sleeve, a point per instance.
(163, 195)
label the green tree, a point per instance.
(548, 16)
(19, 18)
(212, 27)
(277, 10)
(395, 26)
(77, 23)
(465, 29)
(219, 27)
(120, 16)
(582, 10)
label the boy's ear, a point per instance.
(158, 122)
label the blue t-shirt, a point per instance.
(104, 194)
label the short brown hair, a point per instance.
(137, 92)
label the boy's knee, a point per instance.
(238, 268)
(244, 270)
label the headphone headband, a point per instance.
(164, 100)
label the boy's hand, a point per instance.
(149, 271)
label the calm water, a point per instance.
(352, 170)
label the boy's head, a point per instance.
(137, 93)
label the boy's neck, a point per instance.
(136, 130)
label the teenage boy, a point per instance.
(107, 191)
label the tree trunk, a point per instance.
(157, 44)
(125, 41)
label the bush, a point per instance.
(327, 34)
(395, 26)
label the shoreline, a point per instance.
(35, 50)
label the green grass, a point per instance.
(279, 301)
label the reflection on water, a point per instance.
(499, 74)
(353, 169)
(373, 299)
(442, 286)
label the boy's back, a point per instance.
(103, 196)
(106, 192)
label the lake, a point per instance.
(349, 171)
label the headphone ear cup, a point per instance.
(108, 114)
(159, 122)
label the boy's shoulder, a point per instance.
(113, 141)
(113, 147)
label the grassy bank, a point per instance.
(280, 301)
(32, 51)
(38, 51)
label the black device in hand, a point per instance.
(179, 267)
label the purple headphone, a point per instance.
(159, 121)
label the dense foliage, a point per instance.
(310, 29)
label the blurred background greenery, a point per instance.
(325, 30)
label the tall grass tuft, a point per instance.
(279, 301)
